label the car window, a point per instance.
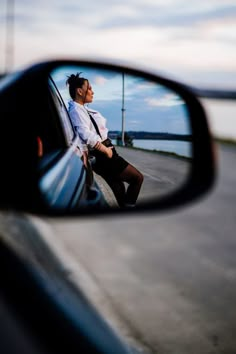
(62, 112)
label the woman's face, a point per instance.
(86, 93)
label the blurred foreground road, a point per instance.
(168, 281)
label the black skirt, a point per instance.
(108, 167)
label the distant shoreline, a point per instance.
(225, 141)
(146, 135)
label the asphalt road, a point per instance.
(166, 281)
(162, 173)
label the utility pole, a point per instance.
(9, 54)
(123, 110)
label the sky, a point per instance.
(191, 41)
(148, 106)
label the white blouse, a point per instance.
(84, 126)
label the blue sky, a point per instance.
(148, 106)
(192, 41)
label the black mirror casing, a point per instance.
(24, 99)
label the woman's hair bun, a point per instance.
(73, 79)
(74, 82)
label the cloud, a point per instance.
(134, 123)
(175, 36)
(167, 100)
(100, 80)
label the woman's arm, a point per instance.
(106, 150)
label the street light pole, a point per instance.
(9, 55)
(123, 110)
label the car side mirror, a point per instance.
(154, 123)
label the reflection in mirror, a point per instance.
(147, 123)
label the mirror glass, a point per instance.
(148, 125)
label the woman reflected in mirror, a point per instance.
(91, 127)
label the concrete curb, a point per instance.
(106, 190)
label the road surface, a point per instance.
(166, 281)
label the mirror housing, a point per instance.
(24, 99)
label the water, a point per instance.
(182, 148)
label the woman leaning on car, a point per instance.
(91, 128)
